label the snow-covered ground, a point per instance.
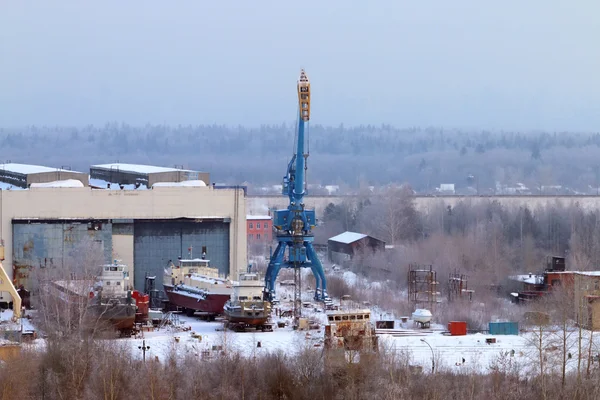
(190, 335)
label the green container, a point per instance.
(504, 328)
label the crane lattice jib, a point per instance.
(304, 97)
(294, 224)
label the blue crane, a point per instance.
(295, 223)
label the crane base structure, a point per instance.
(294, 224)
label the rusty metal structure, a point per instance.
(350, 330)
(458, 287)
(422, 286)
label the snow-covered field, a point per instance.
(418, 347)
(447, 350)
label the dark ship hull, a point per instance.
(120, 316)
(107, 312)
(243, 313)
(210, 303)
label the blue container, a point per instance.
(504, 328)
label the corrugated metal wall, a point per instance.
(157, 242)
(45, 243)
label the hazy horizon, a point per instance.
(457, 65)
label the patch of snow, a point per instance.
(350, 278)
(191, 183)
(587, 273)
(68, 183)
(528, 278)
(258, 217)
(26, 169)
(137, 168)
(8, 186)
(102, 184)
(348, 237)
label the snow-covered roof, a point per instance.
(258, 217)
(528, 278)
(137, 168)
(348, 237)
(586, 273)
(26, 169)
(100, 183)
(191, 183)
(70, 183)
(9, 186)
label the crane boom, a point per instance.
(7, 286)
(294, 224)
(304, 107)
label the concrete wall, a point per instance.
(159, 203)
(122, 249)
(44, 177)
(178, 176)
(259, 205)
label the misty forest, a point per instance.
(344, 156)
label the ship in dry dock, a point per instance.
(106, 298)
(194, 286)
(247, 308)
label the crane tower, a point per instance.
(294, 224)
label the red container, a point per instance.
(457, 328)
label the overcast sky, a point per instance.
(531, 64)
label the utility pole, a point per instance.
(144, 348)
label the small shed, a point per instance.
(345, 245)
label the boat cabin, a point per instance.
(114, 278)
(197, 266)
(355, 315)
(249, 287)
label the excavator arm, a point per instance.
(7, 286)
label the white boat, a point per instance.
(422, 316)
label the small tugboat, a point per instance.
(112, 298)
(107, 298)
(246, 308)
(194, 286)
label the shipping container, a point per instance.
(384, 324)
(457, 328)
(504, 328)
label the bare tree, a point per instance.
(63, 299)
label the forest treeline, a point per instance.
(367, 155)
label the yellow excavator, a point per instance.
(7, 286)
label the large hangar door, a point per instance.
(58, 243)
(157, 242)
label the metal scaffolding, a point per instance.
(458, 287)
(422, 286)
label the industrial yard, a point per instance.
(187, 212)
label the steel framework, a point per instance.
(422, 286)
(458, 287)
